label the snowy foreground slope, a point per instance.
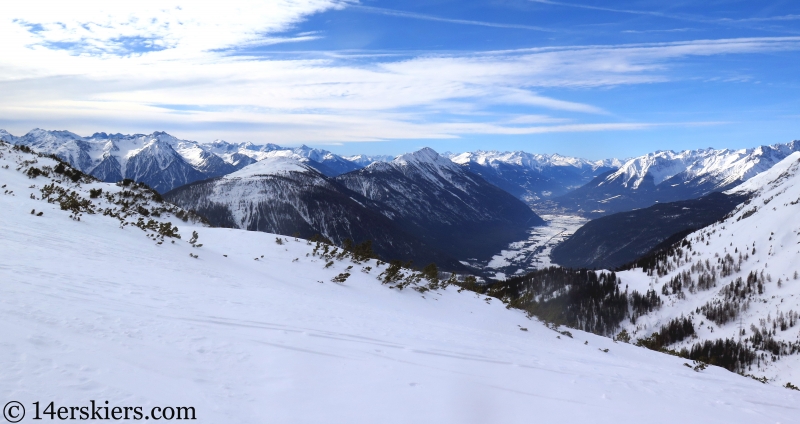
(739, 274)
(92, 311)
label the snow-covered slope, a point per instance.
(251, 331)
(443, 204)
(724, 167)
(280, 194)
(532, 177)
(420, 206)
(739, 274)
(667, 176)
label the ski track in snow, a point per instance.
(92, 311)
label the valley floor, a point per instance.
(534, 252)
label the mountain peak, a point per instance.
(426, 155)
(163, 136)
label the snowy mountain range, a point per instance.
(532, 177)
(551, 184)
(667, 176)
(112, 305)
(164, 162)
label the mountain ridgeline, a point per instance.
(667, 176)
(444, 205)
(164, 162)
(533, 177)
(449, 208)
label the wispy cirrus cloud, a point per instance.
(649, 31)
(619, 10)
(673, 16)
(763, 18)
(412, 15)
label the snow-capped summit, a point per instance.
(274, 165)
(41, 139)
(283, 194)
(428, 164)
(423, 156)
(154, 159)
(659, 165)
(243, 154)
(724, 167)
(151, 159)
(7, 137)
(419, 202)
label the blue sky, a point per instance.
(583, 78)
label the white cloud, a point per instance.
(99, 26)
(190, 84)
